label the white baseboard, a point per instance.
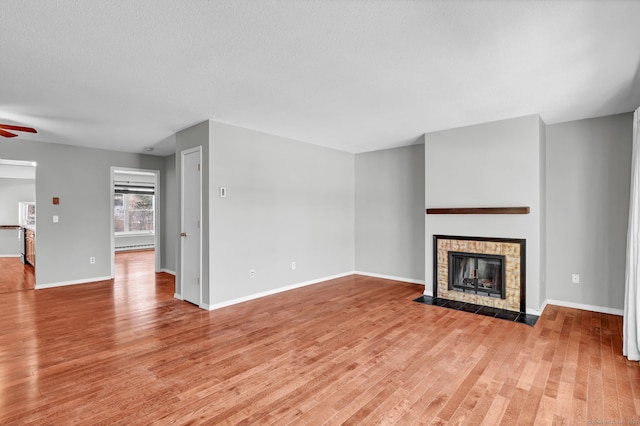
(168, 271)
(178, 296)
(389, 277)
(537, 312)
(632, 356)
(270, 292)
(74, 282)
(601, 309)
(9, 255)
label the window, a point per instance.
(133, 213)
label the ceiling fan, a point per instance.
(6, 134)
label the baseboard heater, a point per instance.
(135, 247)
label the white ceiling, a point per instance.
(356, 75)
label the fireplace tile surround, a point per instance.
(513, 250)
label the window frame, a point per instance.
(127, 211)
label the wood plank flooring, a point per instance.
(354, 350)
(14, 276)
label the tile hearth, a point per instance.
(487, 311)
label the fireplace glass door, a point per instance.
(477, 273)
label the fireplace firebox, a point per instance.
(477, 273)
(481, 271)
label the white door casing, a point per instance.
(156, 213)
(191, 229)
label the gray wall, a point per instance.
(80, 177)
(170, 214)
(287, 201)
(588, 175)
(291, 201)
(389, 197)
(543, 208)
(495, 164)
(13, 191)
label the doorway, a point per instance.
(135, 212)
(191, 231)
(17, 219)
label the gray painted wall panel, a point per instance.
(80, 177)
(543, 208)
(12, 192)
(389, 194)
(588, 172)
(287, 201)
(493, 164)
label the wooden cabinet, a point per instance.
(30, 246)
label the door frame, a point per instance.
(184, 152)
(157, 217)
(9, 160)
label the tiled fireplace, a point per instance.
(482, 271)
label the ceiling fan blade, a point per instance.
(7, 134)
(18, 128)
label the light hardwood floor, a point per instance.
(14, 276)
(354, 350)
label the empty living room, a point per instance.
(300, 212)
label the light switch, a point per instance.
(55, 219)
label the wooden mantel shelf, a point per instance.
(481, 210)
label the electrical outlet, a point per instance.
(92, 260)
(293, 265)
(252, 273)
(575, 278)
